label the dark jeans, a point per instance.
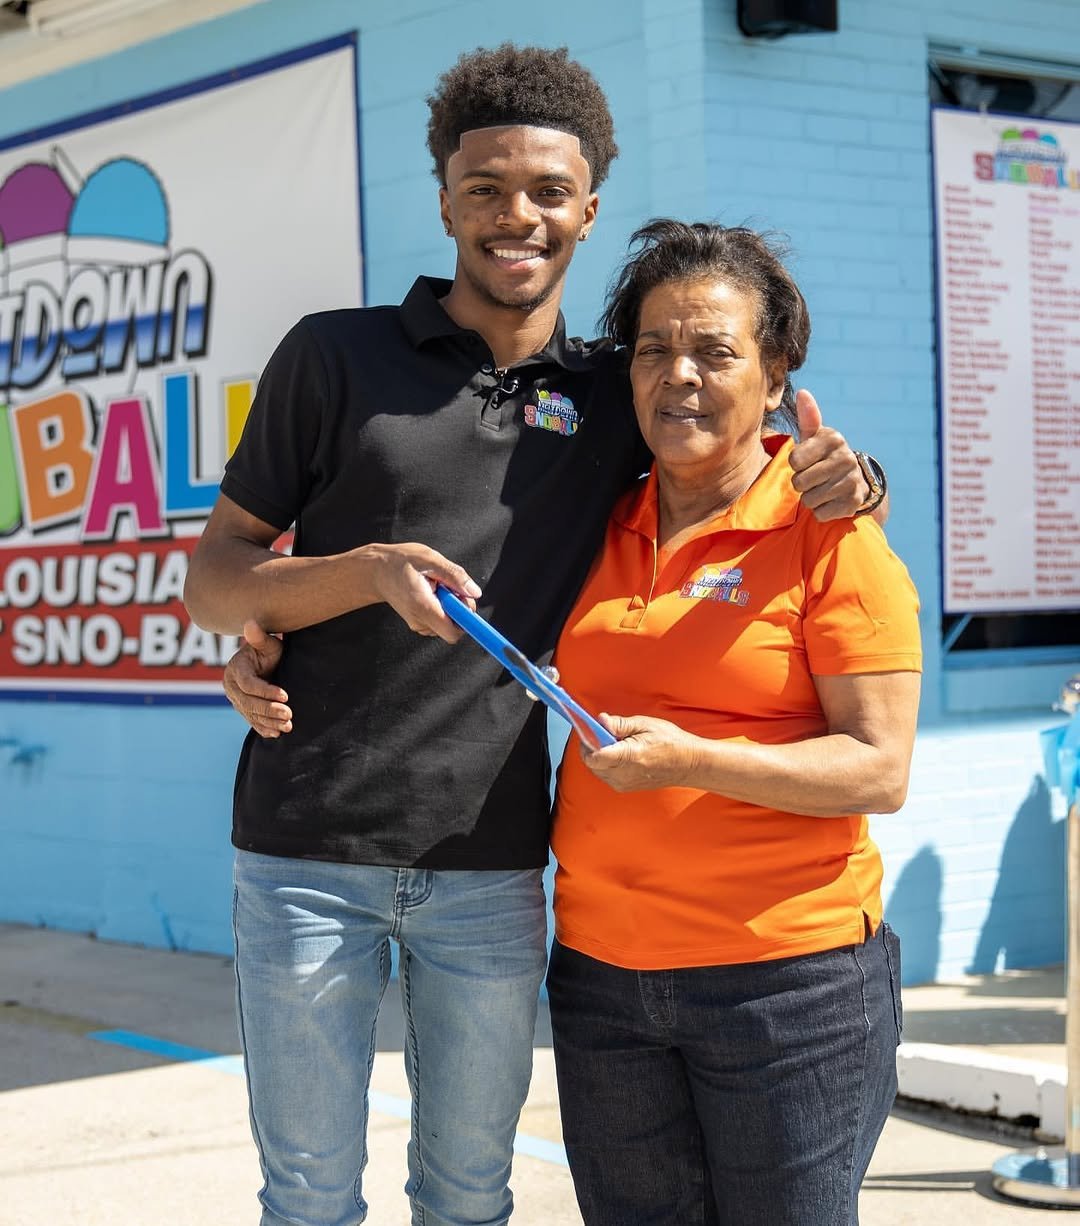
(748, 1095)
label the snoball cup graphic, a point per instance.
(35, 207)
(52, 224)
(119, 223)
(92, 289)
(119, 218)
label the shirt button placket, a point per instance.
(634, 613)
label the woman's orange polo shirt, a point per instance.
(724, 642)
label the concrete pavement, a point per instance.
(108, 1117)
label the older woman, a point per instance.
(724, 993)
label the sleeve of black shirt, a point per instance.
(639, 457)
(271, 472)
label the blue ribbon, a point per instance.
(1061, 758)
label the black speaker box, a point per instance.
(773, 18)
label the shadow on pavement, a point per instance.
(973, 1027)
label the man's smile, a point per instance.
(517, 256)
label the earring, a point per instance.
(583, 236)
(447, 228)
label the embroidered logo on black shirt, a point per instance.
(553, 412)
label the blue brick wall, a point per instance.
(115, 819)
(974, 863)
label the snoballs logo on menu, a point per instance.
(1026, 156)
(101, 322)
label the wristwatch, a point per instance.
(874, 475)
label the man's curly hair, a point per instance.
(538, 86)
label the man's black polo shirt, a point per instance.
(391, 424)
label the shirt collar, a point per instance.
(424, 320)
(771, 502)
(422, 314)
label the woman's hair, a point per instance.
(540, 87)
(682, 252)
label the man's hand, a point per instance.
(235, 576)
(258, 700)
(405, 578)
(827, 474)
(649, 753)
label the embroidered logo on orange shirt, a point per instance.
(713, 582)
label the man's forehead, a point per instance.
(516, 140)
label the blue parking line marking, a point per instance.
(233, 1065)
(390, 1104)
(385, 1104)
(537, 1147)
(156, 1047)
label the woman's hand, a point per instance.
(860, 765)
(259, 701)
(650, 753)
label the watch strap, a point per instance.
(874, 475)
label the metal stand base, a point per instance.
(1040, 1177)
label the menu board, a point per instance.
(1007, 197)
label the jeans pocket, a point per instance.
(892, 956)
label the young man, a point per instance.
(411, 800)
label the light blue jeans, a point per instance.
(312, 963)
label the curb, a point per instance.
(1026, 1092)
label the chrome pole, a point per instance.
(1072, 1004)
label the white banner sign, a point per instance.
(1007, 194)
(150, 259)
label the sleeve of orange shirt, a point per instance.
(861, 611)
